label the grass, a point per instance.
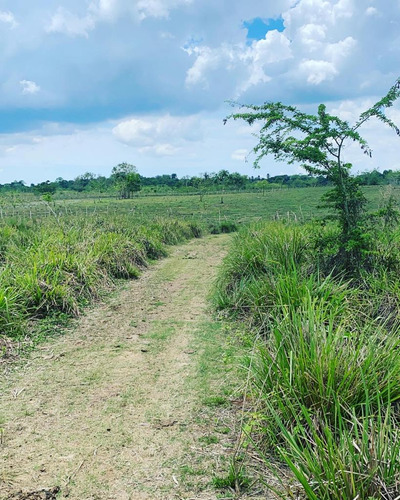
(325, 374)
(52, 268)
(235, 480)
(238, 208)
(325, 370)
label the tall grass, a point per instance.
(326, 370)
(58, 265)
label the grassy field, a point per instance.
(57, 255)
(302, 204)
(325, 371)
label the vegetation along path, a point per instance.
(132, 403)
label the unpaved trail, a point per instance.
(115, 408)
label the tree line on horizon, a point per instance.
(125, 183)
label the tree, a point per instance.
(126, 179)
(83, 182)
(317, 143)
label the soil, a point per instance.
(115, 408)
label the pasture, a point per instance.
(324, 378)
(240, 207)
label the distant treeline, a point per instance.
(222, 180)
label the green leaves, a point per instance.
(316, 142)
(126, 179)
(378, 109)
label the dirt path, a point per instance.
(131, 404)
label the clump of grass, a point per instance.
(216, 401)
(57, 265)
(325, 373)
(236, 479)
(259, 252)
(224, 226)
(357, 458)
(314, 357)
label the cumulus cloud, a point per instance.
(317, 71)
(320, 70)
(63, 21)
(316, 26)
(318, 12)
(250, 63)
(8, 18)
(158, 8)
(162, 135)
(126, 60)
(312, 36)
(29, 87)
(239, 154)
(160, 150)
(372, 11)
(336, 52)
(312, 39)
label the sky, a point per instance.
(88, 84)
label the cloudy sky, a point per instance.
(87, 84)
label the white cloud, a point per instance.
(319, 44)
(160, 150)
(63, 21)
(163, 135)
(339, 51)
(157, 8)
(207, 59)
(372, 11)
(274, 47)
(318, 12)
(317, 71)
(239, 154)
(314, 39)
(29, 87)
(249, 63)
(312, 36)
(329, 50)
(8, 18)
(343, 9)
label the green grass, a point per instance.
(325, 383)
(238, 208)
(53, 267)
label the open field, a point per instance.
(58, 255)
(320, 339)
(300, 203)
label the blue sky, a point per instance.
(87, 84)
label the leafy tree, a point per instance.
(126, 179)
(83, 182)
(46, 187)
(317, 143)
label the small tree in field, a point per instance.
(126, 179)
(317, 143)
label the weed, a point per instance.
(207, 440)
(56, 266)
(236, 479)
(215, 401)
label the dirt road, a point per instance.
(132, 403)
